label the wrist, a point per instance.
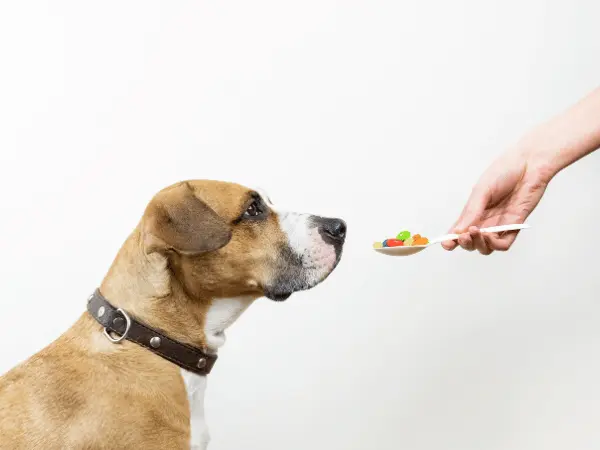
(544, 152)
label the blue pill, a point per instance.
(385, 243)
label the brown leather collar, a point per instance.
(119, 325)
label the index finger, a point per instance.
(473, 210)
(449, 245)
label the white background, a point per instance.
(381, 112)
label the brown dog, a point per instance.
(202, 253)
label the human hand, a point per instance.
(507, 192)
(510, 189)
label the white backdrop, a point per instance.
(381, 112)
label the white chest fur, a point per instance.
(195, 386)
(221, 314)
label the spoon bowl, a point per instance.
(414, 249)
(402, 251)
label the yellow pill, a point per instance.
(409, 241)
(378, 245)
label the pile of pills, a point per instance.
(404, 238)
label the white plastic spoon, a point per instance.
(412, 249)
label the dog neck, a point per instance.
(142, 285)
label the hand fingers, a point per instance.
(473, 210)
(466, 241)
(471, 214)
(469, 241)
(485, 244)
(501, 243)
(449, 245)
(479, 241)
(475, 240)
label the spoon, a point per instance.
(412, 249)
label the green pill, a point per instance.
(403, 235)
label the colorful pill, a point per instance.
(403, 235)
(394, 243)
(421, 241)
(403, 239)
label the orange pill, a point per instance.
(421, 241)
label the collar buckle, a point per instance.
(125, 333)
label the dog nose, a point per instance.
(334, 228)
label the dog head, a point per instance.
(225, 240)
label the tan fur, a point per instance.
(82, 392)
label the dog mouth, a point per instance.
(278, 296)
(298, 277)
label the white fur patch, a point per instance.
(195, 386)
(296, 227)
(220, 315)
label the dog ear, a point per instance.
(177, 220)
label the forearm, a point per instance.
(567, 137)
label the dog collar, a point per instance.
(119, 325)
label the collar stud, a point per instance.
(155, 342)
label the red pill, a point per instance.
(394, 243)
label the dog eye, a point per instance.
(253, 210)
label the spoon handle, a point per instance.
(498, 229)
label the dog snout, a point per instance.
(332, 230)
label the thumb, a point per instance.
(471, 214)
(473, 210)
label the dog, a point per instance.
(131, 372)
